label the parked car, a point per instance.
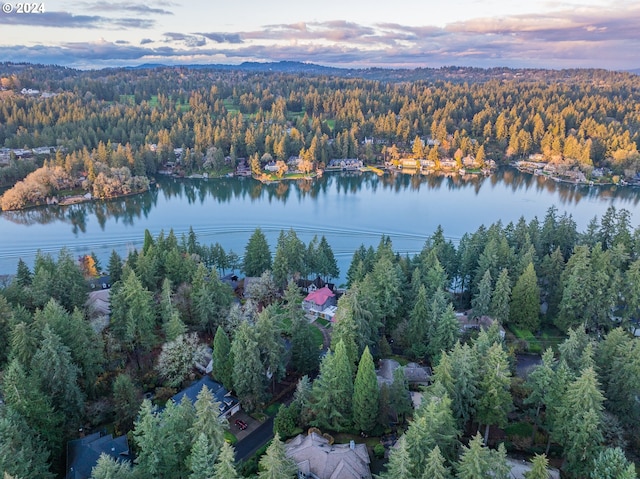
(241, 424)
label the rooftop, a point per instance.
(315, 457)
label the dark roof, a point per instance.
(101, 282)
(83, 453)
(219, 392)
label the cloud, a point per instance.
(233, 38)
(69, 20)
(581, 37)
(123, 7)
(188, 39)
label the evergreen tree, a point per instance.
(540, 381)
(21, 452)
(201, 460)
(23, 274)
(525, 301)
(305, 355)
(126, 402)
(68, 285)
(208, 422)
(224, 467)
(501, 297)
(495, 400)
(327, 264)
(222, 359)
(333, 391)
(57, 376)
(611, 463)
(575, 306)
(458, 373)
(6, 323)
(419, 328)
(399, 465)
(272, 350)
(481, 302)
(108, 468)
(345, 329)
(275, 464)
(115, 266)
(21, 393)
(249, 380)
(365, 394)
(433, 425)
(257, 257)
(445, 335)
(539, 469)
(436, 468)
(478, 461)
(579, 421)
(132, 314)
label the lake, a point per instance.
(348, 208)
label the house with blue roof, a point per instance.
(229, 405)
(83, 453)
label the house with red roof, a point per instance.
(320, 302)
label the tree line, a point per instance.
(583, 120)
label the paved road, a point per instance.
(254, 441)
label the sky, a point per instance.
(343, 33)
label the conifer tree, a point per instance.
(501, 298)
(481, 302)
(611, 463)
(257, 257)
(305, 355)
(201, 460)
(108, 468)
(126, 402)
(495, 400)
(420, 327)
(399, 464)
(436, 467)
(539, 470)
(249, 380)
(222, 359)
(275, 464)
(21, 452)
(365, 394)
(525, 301)
(333, 391)
(208, 420)
(578, 426)
(224, 467)
(57, 376)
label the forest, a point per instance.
(571, 297)
(101, 122)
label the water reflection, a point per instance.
(129, 210)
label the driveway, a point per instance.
(254, 438)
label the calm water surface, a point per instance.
(349, 209)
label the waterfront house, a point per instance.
(319, 300)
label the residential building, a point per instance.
(229, 405)
(83, 453)
(317, 458)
